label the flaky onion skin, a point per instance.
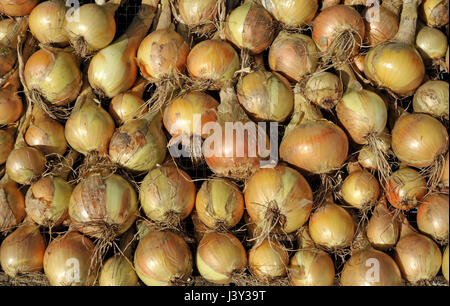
(405, 188)
(311, 268)
(434, 12)
(360, 189)
(381, 25)
(292, 13)
(17, 7)
(433, 216)
(118, 271)
(12, 206)
(24, 165)
(268, 260)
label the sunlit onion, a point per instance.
(17, 7)
(324, 89)
(431, 43)
(12, 206)
(433, 215)
(126, 106)
(383, 229)
(405, 188)
(432, 98)
(25, 164)
(268, 260)
(47, 22)
(381, 25)
(117, 271)
(434, 12)
(360, 189)
(294, 13)
(6, 145)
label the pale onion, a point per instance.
(292, 14)
(11, 107)
(431, 43)
(69, 261)
(432, 98)
(47, 22)
(17, 7)
(163, 258)
(219, 256)
(117, 271)
(268, 260)
(324, 89)
(6, 145)
(445, 263)
(103, 206)
(360, 189)
(433, 216)
(23, 251)
(405, 188)
(419, 139)
(381, 25)
(445, 172)
(12, 206)
(25, 164)
(383, 229)
(434, 12)
(219, 203)
(198, 13)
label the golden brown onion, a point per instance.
(432, 98)
(12, 206)
(6, 145)
(405, 188)
(434, 12)
(433, 215)
(324, 89)
(381, 25)
(383, 230)
(25, 164)
(294, 13)
(268, 260)
(117, 271)
(47, 22)
(360, 189)
(17, 7)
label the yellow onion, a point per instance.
(266, 96)
(278, 199)
(360, 189)
(89, 127)
(324, 89)
(23, 251)
(117, 271)
(432, 216)
(127, 106)
(434, 12)
(331, 226)
(366, 156)
(12, 206)
(419, 139)
(294, 55)
(11, 106)
(311, 268)
(69, 261)
(431, 43)
(45, 134)
(47, 22)
(25, 164)
(140, 144)
(213, 61)
(55, 75)
(432, 98)
(6, 145)
(268, 260)
(445, 263)
(292, 14)
(167, 192)
(219, 257)
(381, 25)
(17, 7)
(198, 12)
(47, 201)
(179, 114)
(219, 203)
(383, 230)
(445, 172)
(250, 27)
(405, 188)
(163, 258)
(103, 206)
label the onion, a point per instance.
(11, 106)
(23, 251)
(381, 25)
(17, 7)
(419, 139)
(139, 145)
(214, 62)
(431, 43)
(358, 63)
(198, 13)
(163, 258)
(432, 216)
(331, 226)
(8, 58)
(294, 55)
(445, 263)
(268, 260)
(89, 127)
(167, 195)
(117, 271)
(128, 105)
(324, 89)
(25, 164)
(219, 203)
(278, 199)
(367, 157)
(434, 12)
(47, 201)
(292, 14)
(45, 134)
(47, 22)
(6, 145)
(69, 261)
(360, 189)
(219, 257)
(12, 206)
(103, 207)
(445, 172)
(405, 188)
(432, 98)
(53, 74)
(383, 230)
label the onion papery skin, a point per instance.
(266, 96)
(433, 216)
(219, 202)
(311, 268)
(198, 12)
(292, 14)
(179, 114)
(418, 139)
(162, 54)
(66, 253)
(118, 271)
(11, 107)
(25, 164)
(317, 147)
(405, 188)
(383, 230)
(55, 75)
(139, 145)
(360, 189)
(12, 206)
(418, 258)
(268, 260)
(382, 29)
(331, 226)
(431, 43)
(16, 8)
(218, 256)
(23, 251)
(47, 201)
(250, 27)
(47, 23)
(293, 55)
(162, 258)
(282, 189)
(167, 190)
(6, 145)
(445, 263)
(432, 98)
(357, 270)
(324, 89)
(98, 203)
(213, 61)
(434, 12)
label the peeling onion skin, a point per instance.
(382, 30)
(117, 271)
(434, 12)
(432, 98)
(311, 268)
(268, 260)
(12, 206)
(17, 7)
(25, 164)
(433, 216)
(405, 188)
(292, 13)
